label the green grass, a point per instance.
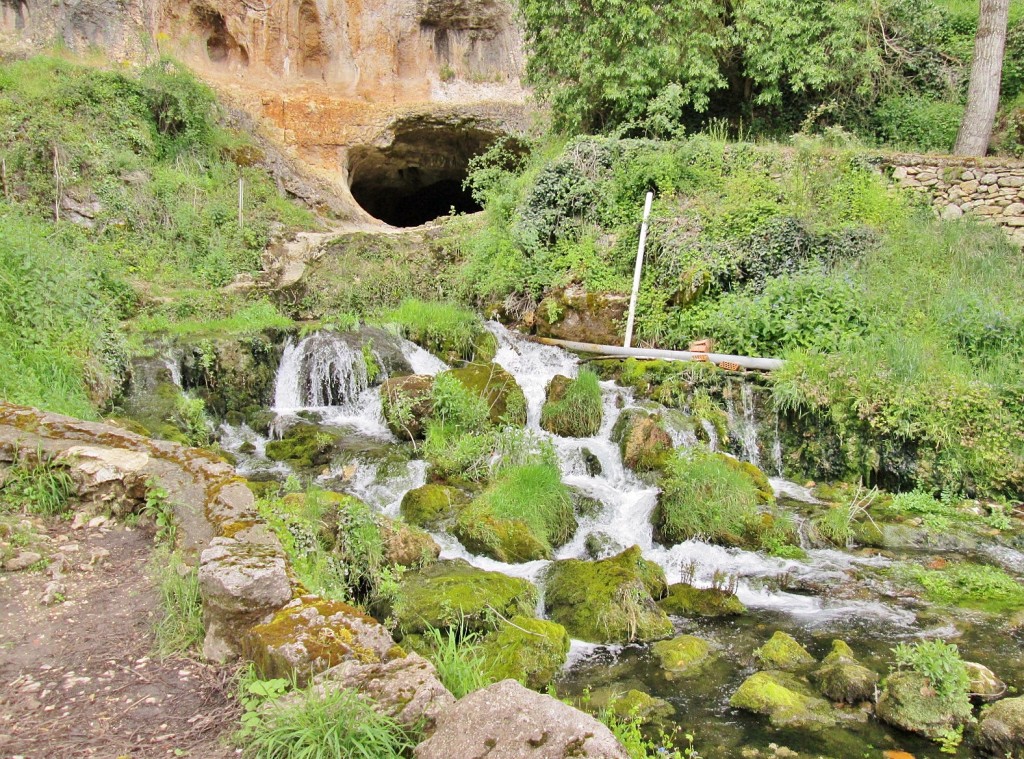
(445, 329)
(307, 724)
(458, 660)
(248, 319)
(975, 586)
(533, 493)
(578, 412)
(45, 488)
(180, 630)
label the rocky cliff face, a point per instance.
(394, 91)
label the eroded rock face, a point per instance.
(574, 314)
(508, 721)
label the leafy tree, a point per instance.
(986, 73)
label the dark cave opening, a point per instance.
(419, 176)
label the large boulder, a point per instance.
(842, 678)
(574, 314)
(1001, 731)
(407, 404)
(909, 702)
(643, 442)
(499, 389)
(608, 601)
(304, 445)
(684, 600)
(452, 593)
(783, 652)
(509, 721)
(531, 651)
(784, 699)
(431, 506)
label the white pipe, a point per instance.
(747, 362)
(636, 271)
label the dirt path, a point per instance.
(79, 678)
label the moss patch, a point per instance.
(783, 652)
(304, 446)
(683, 656)
(908, 701)
(784, 700)
(842, 678)
(531, 651)
(687, 601)
(643, 442)
(505, 400)
(431, 505)
(508, 540)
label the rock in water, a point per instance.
(842, 678)
(908, 701)
(508, 721)
(1002, 728)
(784, 699)
(684, 600)
(783, 652)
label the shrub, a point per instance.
(940, 663)
(918, 122)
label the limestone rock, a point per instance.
(1002, 728)
(985, 686)
(508, 721)
(22, 560)
(642, 439)
(574, 314)
(114, 476)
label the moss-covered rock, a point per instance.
(842, 678)
(231, 373)
(784, 653)
(608, 601)
(637, 706)
(684, 600)
(643, 442)
(508, 540)
(531, 651)
(406, 545)
(1001, 731)
(504, 397)
(450, 593)
(682, 656)
(304, 446)
(574, 407)
(407, 404)
(765, 492)
(432, 505)
(586, 317)
(784, 699)
(601, 545)
(908, 701)
(985, 686)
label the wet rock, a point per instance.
(685, 600)
(498, 388)
(642, 439)
(507, 540)
(985, 686)
(584, 505)
(449, 593)
(406, 688)
(908, 701)
(591, 463)
(22, 560)
(407, 404)
(842, 678)
(1001, 731)
(601, 545)
(406, 545)
(432, 505)
(311, 634)
(682, 656)
(531, 651)
(784, 699)
(608, 601)
(304, 445)
(637, 706)
(508, 721)
(574, 314)
(782, 652)
(574, 407)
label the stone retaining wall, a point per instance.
(983, 188)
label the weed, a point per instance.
(458, 659)
(45, 488)
(161, 512)
(940, 663)
(180, 630)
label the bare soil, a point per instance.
(79, 677)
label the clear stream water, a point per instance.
(831, 594)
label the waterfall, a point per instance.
(743, 425)
(171, 360)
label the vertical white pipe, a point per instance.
(637, 271)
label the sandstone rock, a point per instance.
(22, 560)
(406, 688)
(1002, 728)
(508, 721)
(951, 212)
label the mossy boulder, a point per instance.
(909, 702)
(682, 656)
(531, 651)
(574, 407)
(842, 678)
(432, 505)
(450, 593)
(608, 601)
(508, 540)
(783, 652)
(765, 492)
(304, 446)
(637, 706)
(406, 545)
(586, 317)
(231, 374)
(498, 388)
(684, 600)
(784, 699)
(643, 442)
(1001, 731)
(407, 404)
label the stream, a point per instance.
(830, 594)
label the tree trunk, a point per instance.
(986, 76)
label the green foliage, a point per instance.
(628, 731)
(161, 512)
(918, 122)
(977, 586)
(940, 663)
(45, 488)
(318, 724)
(578, 412)
(457, 656)
(180, 630)
(533, 493)
(444, 329)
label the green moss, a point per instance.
(784, 700)
(643, 442)
(453, 593)
(687, 601)
(974, 586)
(531, 651)
(505, 400)
(431, 505)
(574, 407)
(304, 446)
(637, 706)
(682, 656)
(842, 678)
(508, 540)
(765, 493)
(908, 701)
(783, 652)
(608, 601)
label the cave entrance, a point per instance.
(419, 176)
(221, 46)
